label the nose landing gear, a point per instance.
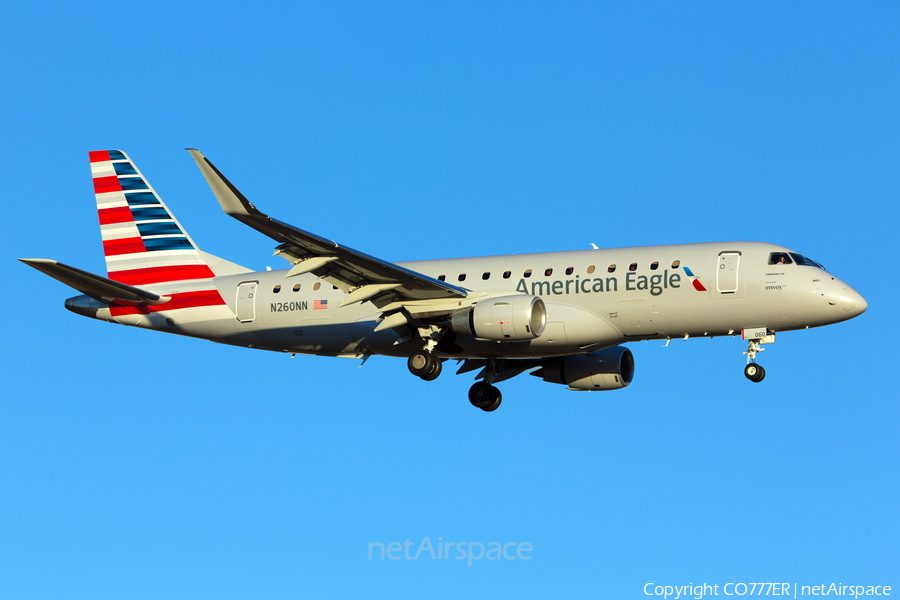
(753, 371)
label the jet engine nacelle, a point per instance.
(609, 369)
(506, 319)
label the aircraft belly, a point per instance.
(310, 336)
(366, 340)
(212, 323)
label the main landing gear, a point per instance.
(753, 371)
(425, 365)
(482, 395)
(485, 396)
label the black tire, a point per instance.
(498, 398)
(481, 394)
(754, 372)
(421, 363)
(760, 375)
(435, 370)
(751, 371)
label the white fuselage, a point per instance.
(594, 299)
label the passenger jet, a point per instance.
(563, 316)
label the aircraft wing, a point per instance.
(98, 288)
(362, 276)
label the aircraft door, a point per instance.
(727, 273)
(246, 301)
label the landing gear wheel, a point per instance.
(754, 372)
(421, 363)
(495, 404)
(435, 370)
(481, 394)
(761, 375)
(749, 371)
(484, 396)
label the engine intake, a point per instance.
(505, 319)
(609, 369)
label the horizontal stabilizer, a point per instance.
(98, 288)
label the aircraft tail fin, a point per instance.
(143, 242)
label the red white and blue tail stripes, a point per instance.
(143, 243)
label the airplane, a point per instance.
(563, 316)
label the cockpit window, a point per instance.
(808, 262)
(780, 258)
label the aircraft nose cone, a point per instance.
(853, 302)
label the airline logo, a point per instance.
(695, 281)
(656, 284)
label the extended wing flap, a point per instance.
(339, 265)
(95, 286)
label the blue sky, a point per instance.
(138, 465)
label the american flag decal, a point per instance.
(320, 304)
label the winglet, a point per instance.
(232, 200)
(336, 264)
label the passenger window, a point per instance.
(527, 273)
(296, 287)
(276, 289)
(590, 269)
(570, 270)
(654, 265)
(611, 268)
(548, 272)
(486, 275)
(462, 277)
(316, 286)
(442, 278)
(507, 274)
(780, 258)
(676, 264)
(632, 267)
